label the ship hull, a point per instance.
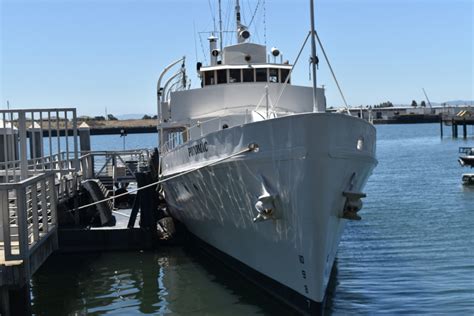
(304, 164)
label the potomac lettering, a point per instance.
(197, 149)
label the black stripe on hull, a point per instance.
(290, 297)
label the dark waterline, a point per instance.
(411, 253)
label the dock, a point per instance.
(455, 121)
(42, 185)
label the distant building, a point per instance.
(388, 113)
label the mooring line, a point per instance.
(250, 147)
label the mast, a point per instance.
(220, 27)
(242, 33)
(316, 107)
(237, 18)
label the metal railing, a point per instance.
(35, 140)
(113, 163)
(28, 214)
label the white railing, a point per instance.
(28, 215)
(35, 140)
(113, 163)
(200, 129)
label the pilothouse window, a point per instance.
(247, 75)
(261, 74)
(209, 78)
(284, 74)
(222, 76)
(273, 75)
(235, 75)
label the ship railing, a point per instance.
(202, 128)
(28, 215)
(218, 122)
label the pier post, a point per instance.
(85, 147)
(464, 128)
(84, 138)
(36, 141)
(22, 133)
(441, 125)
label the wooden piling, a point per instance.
(453, 129)
(464, 128)
(441, 125)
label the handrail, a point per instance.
(26, 182)
(110, 158)
(28, 214)
(38, 126)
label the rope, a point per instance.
(332, 72)
(291, 71)
(250, 147)
(254, 13)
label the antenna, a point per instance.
(195, 43)
(8, 105)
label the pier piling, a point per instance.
(464, 129)
(456, 121)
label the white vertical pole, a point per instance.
(22, 220)
(23, 158)
(74, 135)
(34, 211)
(220, 27)
(3, 212)
(44, 206)
(313, 59)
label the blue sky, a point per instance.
(93, 54)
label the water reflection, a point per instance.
(173, 280)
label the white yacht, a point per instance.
(258, 171)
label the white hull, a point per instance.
(305, 161)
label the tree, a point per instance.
(110, 117)
(146, 117)
(414, 104)
(423, 104)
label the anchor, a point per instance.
(264, 206)
(353, 205)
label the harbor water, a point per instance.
(412, 253)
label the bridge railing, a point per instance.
(28, 215)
